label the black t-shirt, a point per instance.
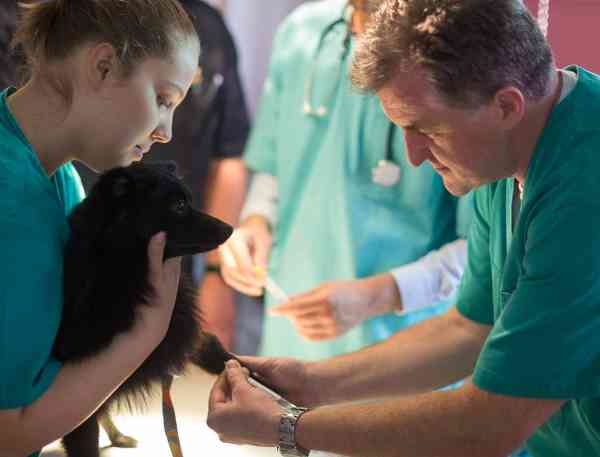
(212, 122)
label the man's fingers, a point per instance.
(234, 279)
(238, 248)
(261, 251)
(255, 364)
(219, 393)
(295, 308)
(317, 335)
(323, 323)
(243, 277)
(237, 376)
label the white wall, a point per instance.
(253, 23)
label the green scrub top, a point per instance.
(333, 222)
(33, 232)
(539, 286)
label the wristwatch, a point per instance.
(287, 432)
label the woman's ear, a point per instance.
(102, 65)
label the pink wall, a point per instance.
(574, 31)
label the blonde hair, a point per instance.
(50, 30)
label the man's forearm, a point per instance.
(78, 390)
(465, 422)
(427, 356)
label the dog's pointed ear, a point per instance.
(168, 167)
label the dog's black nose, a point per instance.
(200, 233)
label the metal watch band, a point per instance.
(287, 433)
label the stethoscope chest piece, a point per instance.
(386, 173)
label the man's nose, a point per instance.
(417, 147)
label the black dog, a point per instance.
(105, 280)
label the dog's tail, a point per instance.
(211, 355)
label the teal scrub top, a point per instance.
(33, 232)
(539, 286)
(333, 222)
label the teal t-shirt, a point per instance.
(334, 222)
(33, 232)
(539, 285)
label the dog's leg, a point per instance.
(83, 441)
(115, 436)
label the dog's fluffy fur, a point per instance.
(106, 269)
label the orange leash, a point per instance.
(169, 419)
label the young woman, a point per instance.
(105, 78)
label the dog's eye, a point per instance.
(179, 207)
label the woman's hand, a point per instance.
(164, 281)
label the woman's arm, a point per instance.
(80, 388)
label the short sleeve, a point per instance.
(546, 341)
(475, 296)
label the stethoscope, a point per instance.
(321, 111)
(387, 172)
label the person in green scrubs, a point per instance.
(333, 218)
(102, 90)
(475, 88)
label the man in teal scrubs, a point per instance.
(333, 220)
(474, 85)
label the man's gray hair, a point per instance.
(468, 48)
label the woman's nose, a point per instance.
(164, 132)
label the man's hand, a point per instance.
(289, 377)
(245, 254)
(334, 308)
(240, 413)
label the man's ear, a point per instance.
(510, 106)
(102, 65)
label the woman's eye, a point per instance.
(163, 102)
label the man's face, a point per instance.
(466, 147)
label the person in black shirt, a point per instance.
(209, 136)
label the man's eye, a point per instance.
(179, 207)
